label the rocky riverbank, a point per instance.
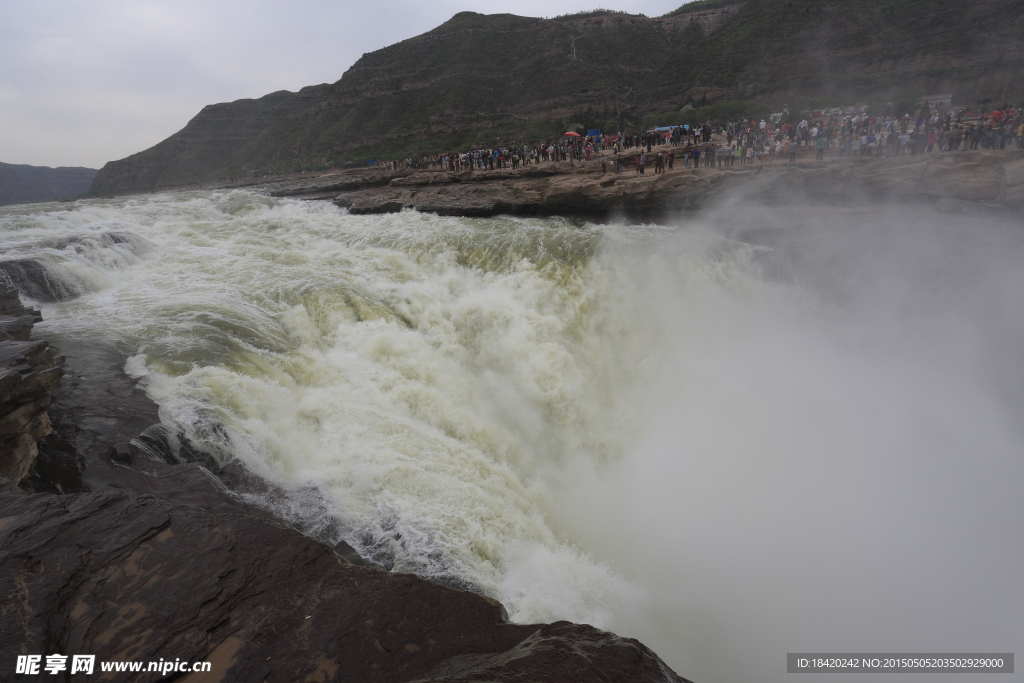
(952, 181)
(134, 547)
(30, 371)
(198, 578)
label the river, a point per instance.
(733, 435)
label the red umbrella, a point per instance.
(573, 133)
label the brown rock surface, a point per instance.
(95, 414)
(994, 178)
(340, 181)
(142, 578)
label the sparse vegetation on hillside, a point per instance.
(695, 5)
(492, 80)
(589, 14)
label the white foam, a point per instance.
(630, 426)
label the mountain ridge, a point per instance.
(25, 184)
(479, 81)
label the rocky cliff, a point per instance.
(951, 181)
(186, 574)
(30, 371)
(485, 80)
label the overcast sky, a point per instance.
(84, 83)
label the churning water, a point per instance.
(751, 432)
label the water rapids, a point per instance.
(740, 434)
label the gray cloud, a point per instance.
(87, 83)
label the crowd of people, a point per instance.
(572, 147)
(506, 157)
(881, 135)
(764, 141)
(749, 142)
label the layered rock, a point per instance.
(96, 413)
(29, 373)
(16, 320)
(330, 184)
(952, 181)
(201, 579)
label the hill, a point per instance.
(22, 184)
(485, 80)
